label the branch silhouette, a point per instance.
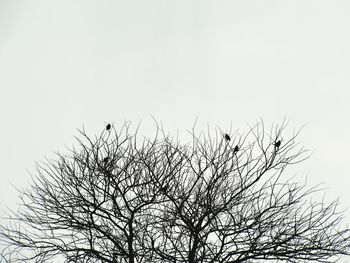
(116, 198)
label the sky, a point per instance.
(68, 64)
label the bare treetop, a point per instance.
(119, 198)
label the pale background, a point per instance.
(65, 64)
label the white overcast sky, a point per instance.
(64, 64)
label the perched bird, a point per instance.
(106, 159)
(108, 127)
(227, 137)
(236, 149)
(164, 188)
(278, 144)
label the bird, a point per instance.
(106, 159)
(108, 127)
(164, 188)
(236, 149)
(227, 137)
(277, 144)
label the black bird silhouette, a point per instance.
(278, 144)
(106, 159)
(236, 149)
(108, 127)
(227, 137)
(164, 188)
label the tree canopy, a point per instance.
(117, 197)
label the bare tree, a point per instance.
(120, 199)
